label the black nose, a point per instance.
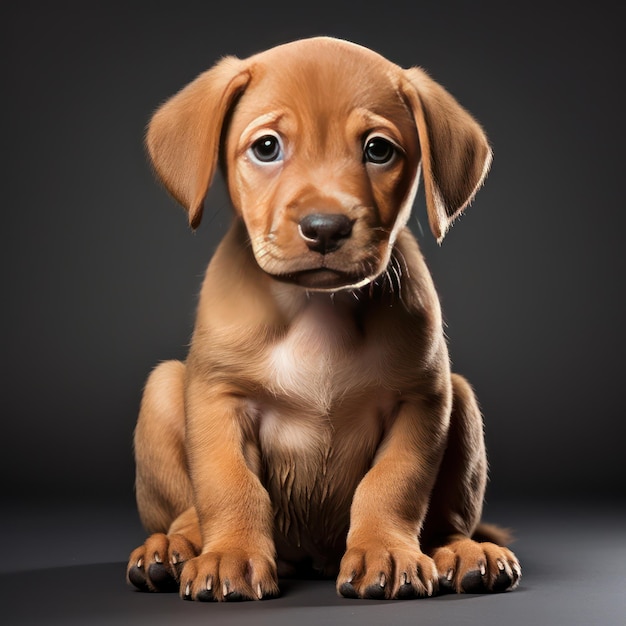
(325, 232)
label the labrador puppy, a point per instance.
(315, 427)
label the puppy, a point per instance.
(315, 427)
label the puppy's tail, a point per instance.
(494, 534)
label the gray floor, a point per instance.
(65, 565)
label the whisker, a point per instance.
(388, 279)
(261, 254)
(398, 273)
(419, 227)
(401, 258)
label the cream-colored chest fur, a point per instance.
(315, 362)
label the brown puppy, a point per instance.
(315, 423)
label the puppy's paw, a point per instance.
(231, 576)
(156, 565)
(466, 566)
(381, 572)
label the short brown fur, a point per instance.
(315, 426)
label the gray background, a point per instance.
(101, 273)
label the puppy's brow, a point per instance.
(373, 122)
(259, 122)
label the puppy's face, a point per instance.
(322, 141)
(322, 156)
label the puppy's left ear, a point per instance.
(455, 152)
(183, 137)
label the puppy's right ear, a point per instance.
(183, 137)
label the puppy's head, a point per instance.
(322, 142)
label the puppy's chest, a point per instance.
(318, 361)
(321, 422)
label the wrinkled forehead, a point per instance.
(322, 82)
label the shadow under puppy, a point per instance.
(315, 423)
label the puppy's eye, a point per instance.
(267, 149)
(378, 151)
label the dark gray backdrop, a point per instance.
(100, 272)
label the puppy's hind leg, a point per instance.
(162, 485)
(452, 523)
(163, 489)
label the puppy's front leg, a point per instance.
(383, 557)
(238, 557)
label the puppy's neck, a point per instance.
(293, 300)
(384, 291)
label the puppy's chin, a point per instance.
(323, 279)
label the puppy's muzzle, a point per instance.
(325, 232)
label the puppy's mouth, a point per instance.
(323, 279)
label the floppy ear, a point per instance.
(455, 153)
(183, 137)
